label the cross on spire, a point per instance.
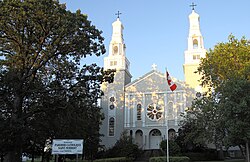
(118, 14)
(192, 5)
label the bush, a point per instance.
(124, 147)
(208, 155)
(118, 159)
(171, 159)
(174, 148)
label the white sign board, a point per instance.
(60, 146)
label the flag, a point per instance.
(171, 84)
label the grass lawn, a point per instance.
(67, 160)
(234, 160)
(54, 160)
(231, 160)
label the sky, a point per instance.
(156, 31)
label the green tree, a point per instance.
(190, 135)
(226, 69)
(44, 92)
(203, 124)
(174, 148)
(223, 112)
(124, 147)
(226, 61)
(235, 105)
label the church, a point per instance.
(146, 107)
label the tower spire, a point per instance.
(194, 52)
(117, 49)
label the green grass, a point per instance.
(54, 160)
(231, 160)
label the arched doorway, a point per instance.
(171, 134)
(139, 138)
(154, 139)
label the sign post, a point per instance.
(65, 146)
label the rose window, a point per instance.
(154, 112)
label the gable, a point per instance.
(153, 81)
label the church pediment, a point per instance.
(153, 81)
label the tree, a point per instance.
(41, 80)
(226, 61)
(223, 111)
(226, 69)
(174, 148)
(235, 104)
(124, 147)
(203, 124)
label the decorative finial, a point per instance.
(118, 14)
(154, 66)
(193, 5)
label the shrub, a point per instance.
(174, 148)
(124, 147)
(207, 155)
(117, 159)
(171, 159)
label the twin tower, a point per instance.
(146, 109)
(117, 51)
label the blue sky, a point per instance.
(156, 31)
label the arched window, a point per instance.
(138, 111)
(155, 132)
(139, 133)
(111, 126)
(171, 134)
(195, 44)
(131, 133)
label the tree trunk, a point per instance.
(221, 154)
(16, 154)
(247, 152)
(42, 160)
(242, 151)
(33, 157)
(2, 158)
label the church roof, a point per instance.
(153, 81)
(143, 77)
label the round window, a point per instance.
(154, 112)
(111, 107)
(112, 99)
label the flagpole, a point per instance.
(167, 148)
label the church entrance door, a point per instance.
(154, 139)
(139, 138)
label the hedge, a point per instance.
(117, 159)
(171, 159)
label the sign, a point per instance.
(63, 146)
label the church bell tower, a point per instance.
(117, 49)
(113, 101)
(194, 53)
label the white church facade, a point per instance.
(146, 107)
